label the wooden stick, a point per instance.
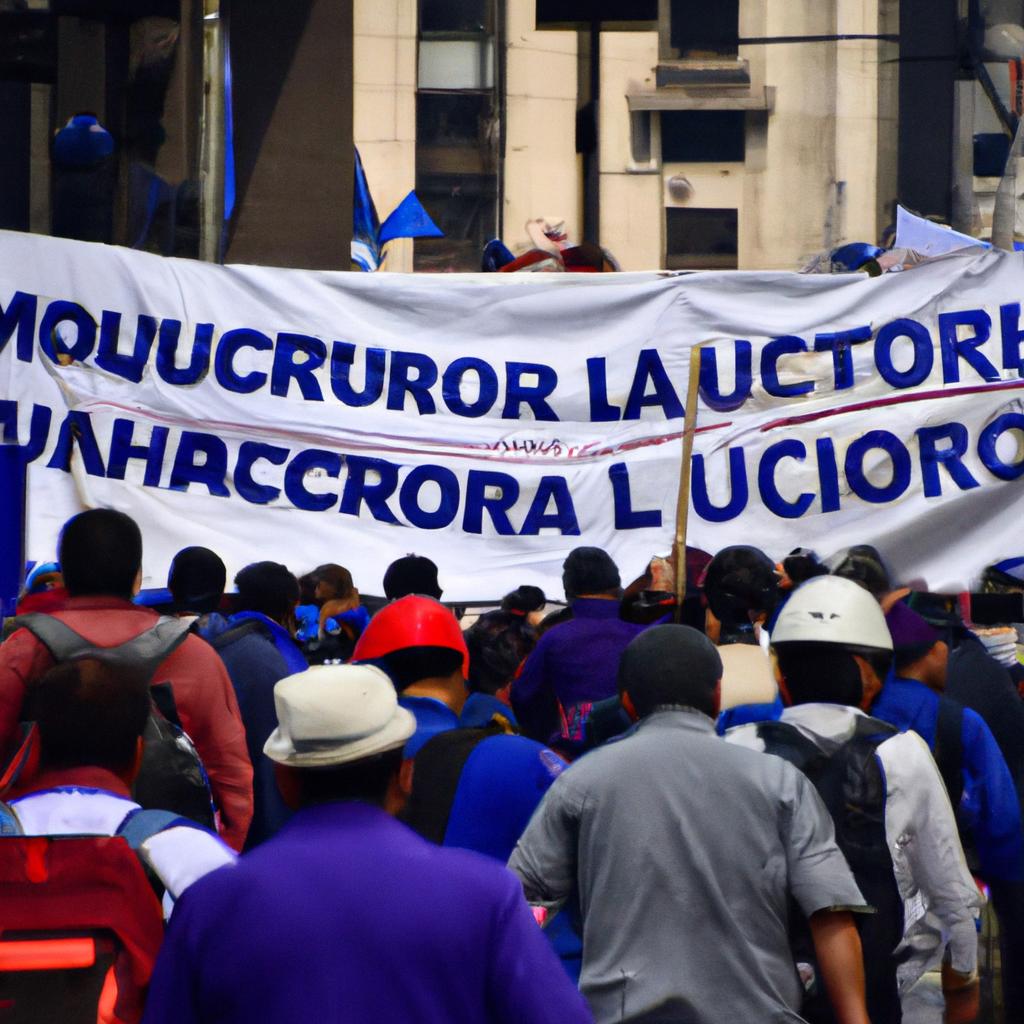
(683, 498)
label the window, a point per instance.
(456, 16)
(699, 29)
(702, 136)
(700, 239)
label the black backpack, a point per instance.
(172, 777)
(851, 784)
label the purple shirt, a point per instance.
(347, 915)
(577, 660)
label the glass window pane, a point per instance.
(702, 136)
(700, 239)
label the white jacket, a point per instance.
(940, 900)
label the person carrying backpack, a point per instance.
(893, 819)
(101, 559)
(81, 921)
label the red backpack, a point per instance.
(80, 924)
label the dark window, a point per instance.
(455, 16)
(702, 136)
(703, 29)
(584, 12)
(698, 239)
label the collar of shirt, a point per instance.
(82, 777)
(595, 608)
(677, 716)
(103, 601)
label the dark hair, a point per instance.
(589, 571)
(267, 587)
(904, 657)
(523, 600)
(670, 665)
(411, 664)
(196, 580)
(739, 580)
(366, 780)
(100, 552)
(863, 564)
(411, 574)
(498, 642)
(89, 712)
(825, 673)
(336, 576)
(307, 588)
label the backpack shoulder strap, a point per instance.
(140, 825)
(151, 647)
(949, 747)
(59, 638)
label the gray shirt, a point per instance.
(685, 849)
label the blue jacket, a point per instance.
(255, 663)
(988, 809)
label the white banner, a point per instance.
(494, 422)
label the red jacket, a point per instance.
(203, 694)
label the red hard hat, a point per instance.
(412, 621)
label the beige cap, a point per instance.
(334, 714)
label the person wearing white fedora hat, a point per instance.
(347, 914)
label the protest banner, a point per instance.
(494, 422)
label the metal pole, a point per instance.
(683, 497)
(211, 156)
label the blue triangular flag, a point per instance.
(409, 220)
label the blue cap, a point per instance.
(854, 255)
(42, 569)
(83, 141)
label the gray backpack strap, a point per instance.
(140, 825)
(59, 639)
(146, 651)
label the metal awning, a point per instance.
(703, 99)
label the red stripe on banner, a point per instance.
(878, 403)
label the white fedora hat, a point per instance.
(334, 714)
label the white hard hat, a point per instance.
(832, 610)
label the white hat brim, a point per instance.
(280, 748)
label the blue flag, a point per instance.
(409, 220)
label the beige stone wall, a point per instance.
(384, 100)
(542, 175)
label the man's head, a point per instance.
(590, 572)
(863, 564)
(741, 587)
(411, 574)
(919, 649)
(196, 580)
(416, 638)
(269, 588)
(90, 713)
(100, 554)
(670, 666)
(340, 736)
(831, 644)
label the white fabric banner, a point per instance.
(494, 422)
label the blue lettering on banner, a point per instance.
(651, 371)
(451, 387)
(951, 457)
(249, 454)
(123, 448)
(924, 354)
(313, 353)
(223, 363)
(854, 466)
(737, 487)
(776, 348)
(711, 385)
(38, 431)
(108, 358)
(840, 344)
(534, 395)
(990, 438)
(52, 342)
(20, 316)
(328, 463)
(358, 489)
(497, 507)
(448, 505)
(401, 383)
(343, 355)
(210, 473)
(562, 519)
(773, 500)
(1009, 325)
(955, 348)
(167, 348)
(625, 517)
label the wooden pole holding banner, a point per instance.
(683, 497)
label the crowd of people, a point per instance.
(341, 807)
